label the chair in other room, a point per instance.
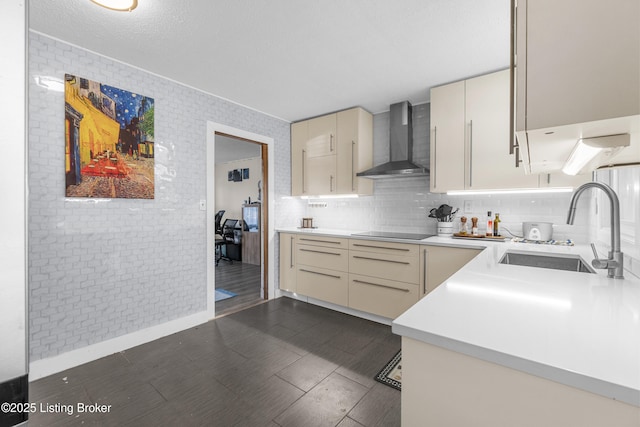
(228, 238)
(218, 235)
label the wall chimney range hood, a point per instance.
(400, 162)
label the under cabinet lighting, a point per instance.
(119, 5)
(331, 196)
(511, 191)
(588, 149)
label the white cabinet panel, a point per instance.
(328, 151)
(487, 109)
(447, 138)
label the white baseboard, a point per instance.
(44, 367)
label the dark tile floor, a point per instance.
(240, 278)
(281, 363)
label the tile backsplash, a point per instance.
(403, 204)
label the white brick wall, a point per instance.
(103, 268)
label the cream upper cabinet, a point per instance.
(298, 140)
(559, 179)
(355, 151)
(470, 136)
(447, 138)
(327, 152)
(577, 68)
(577, 61)
(321, 136)
(313, 156)
(487, 109)
(320, 175)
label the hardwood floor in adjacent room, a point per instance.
(281, 363)
(240, 278)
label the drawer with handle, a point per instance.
(382, 247)
(403, 268)
(386, 298)
(323, 284)
(324, 241)
(322, 257)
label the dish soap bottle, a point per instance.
(489, 225)
(496, 225)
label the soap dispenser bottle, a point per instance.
(489, 225)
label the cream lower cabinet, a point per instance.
(387, 298)
(441, 387)
(377, 277)
(383, 277)
(287, 262)
(438, 263)
(322, 268)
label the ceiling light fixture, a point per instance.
(587, 149)
(119, 5)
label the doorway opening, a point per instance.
(240, 229)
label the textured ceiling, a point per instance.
(294, 59)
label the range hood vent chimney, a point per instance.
(400, 162)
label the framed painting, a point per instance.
(109, 141)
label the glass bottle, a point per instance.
(496, 225)
(489, 225)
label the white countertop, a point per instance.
(578, 329)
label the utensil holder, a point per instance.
(445, 229)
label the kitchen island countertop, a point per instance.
(577, 329)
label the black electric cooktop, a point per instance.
(392, 235)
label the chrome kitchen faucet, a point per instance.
(614, 263)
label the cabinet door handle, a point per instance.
(320, 241)
(517, 156)
(471, 153)
(319, 252)
(425, 259)
(512, 77)
(320, 274)
(380, 247)
(331, 183)
(291, 257)
(353, 167)
(304, 152)
(382, 259)
(435, 156)
(381, 286)
(331, 142)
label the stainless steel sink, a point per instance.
(553, 261)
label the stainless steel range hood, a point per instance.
(400, 162)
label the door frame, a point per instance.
(268, 147)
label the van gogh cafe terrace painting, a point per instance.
(109, 141)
